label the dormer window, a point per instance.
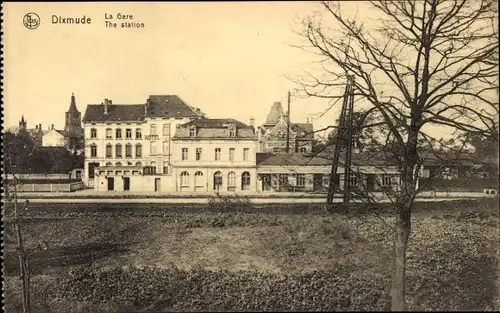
(232, 130)
(192, 131)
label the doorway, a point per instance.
(370, 182)
(126, 183)
(318, 182)
(111, 184)
(157, 184)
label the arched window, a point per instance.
(118, 151)
(231, 181)
(184, 179)
(109, 150)
(217, 180)
(138, 150)
(198, 178)
(93, 133)
(245, 181)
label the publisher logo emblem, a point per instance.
(31, 20)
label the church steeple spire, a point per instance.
(72, 106)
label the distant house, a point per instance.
(55, 138)
(274, 132)
(34, 133)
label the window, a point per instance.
(184, 178)
(152, 129)
(276, 150)
(166, 130)
(184, 154)
(150, 170)
(231, 154)
(138, 133)
(118, 133)
(231, 181)
(198, 154)
(246, 153)
(109, 151)
(92, 167)
(93, 151)
(152, 148)
(118, 163)
(128, 133)
(301, 180)
(245, 181)
(93, 133)
(303, 150)
(128, 150)
(166, 148)
(198, 179)
(138, 150)
(109, 164)
(232, 131)
(118, 150)
(138, 164)
(386, 180)
(109, 133)
(153, 167)
(192, 131)
(353, 180)
(165, 167)
(217, 180)
(217, 154)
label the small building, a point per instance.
(306, 173)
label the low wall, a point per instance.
(40, 176)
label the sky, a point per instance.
(230, 59)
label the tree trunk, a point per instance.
(402, 234)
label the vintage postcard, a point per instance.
(250, 156)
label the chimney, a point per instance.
(110, 102)
(40, 126)
(106, 106)
(36, 127)
(252, 121)
(146, 107)
(52, 126)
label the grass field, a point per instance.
(117, 262)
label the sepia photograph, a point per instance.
(232, 156)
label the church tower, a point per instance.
(22, 125)
(73, 125)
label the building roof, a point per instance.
(116, 112)
(170, 106)
(321, 159)
(215, 128)
(275, 113)
(164, 106)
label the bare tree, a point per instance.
(416, 64)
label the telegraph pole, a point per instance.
(343, 144)
(288, 125)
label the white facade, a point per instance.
(137, 144)
(54, 138)
(215, 165)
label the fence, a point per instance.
(50, 185)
